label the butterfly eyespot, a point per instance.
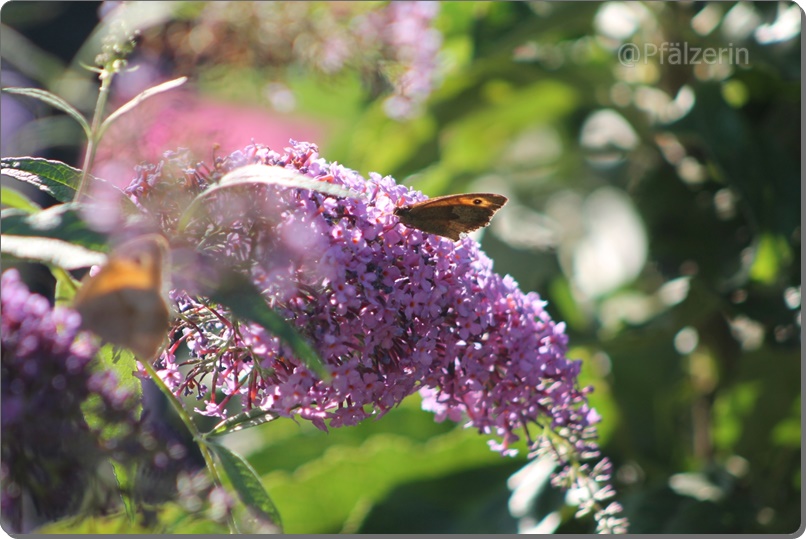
(477, 201)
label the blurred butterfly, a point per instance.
(124, 303)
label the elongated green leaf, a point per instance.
(246, 301)
(57, 179)
(246, 483)
(124, 479)
(50, 251)
(53, 177)
(264, 175)
(14, 199)
(61, 222)
(139, 98)
(244, 420)
(276, 175)
(54, 101)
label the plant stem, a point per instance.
(92, 143)
(197, 436)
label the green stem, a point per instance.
(197, 436)
(92, 142)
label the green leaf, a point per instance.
(139, 98)
(247, 484)
(287, 445)
(771, 254)
(264, 175)
(245, 301)
(61, 222)
(14, 199)
(326, 493)
(53, 177)
(168, 518)
(54, 101)
(57, 179)
(66, 286)
(50, 251)
(123, 363)
(244, 420)
(124, 479)
(452, 504)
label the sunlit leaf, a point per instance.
(342, 477)
(57, 179)
(15, 199)
(139, 98)
(263, 175)
(251, 418)
(247, 484)
(53, 177)
(50, 251)
(61, 222)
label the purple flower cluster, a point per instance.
(48, 452)
(34, 335)
(391, 310)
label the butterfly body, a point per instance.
(452, 215)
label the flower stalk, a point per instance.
(197, 435)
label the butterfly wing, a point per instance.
(432, 219)
(123, 302)
(452, 215)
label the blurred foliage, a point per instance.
(656, 207)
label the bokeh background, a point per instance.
(655, 206)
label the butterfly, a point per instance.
(451, 215)
(124, 302)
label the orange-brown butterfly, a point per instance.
(452, 215)
(124, 302)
